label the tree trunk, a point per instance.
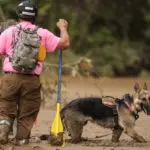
(2, 16)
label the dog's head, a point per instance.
(141, 98)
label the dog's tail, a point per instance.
(62, 113)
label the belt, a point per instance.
(21, 73)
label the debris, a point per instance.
(56, 140)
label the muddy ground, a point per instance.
(98, 138)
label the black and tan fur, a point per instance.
(119, 118)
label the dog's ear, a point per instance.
(136, 87)
(145, 86)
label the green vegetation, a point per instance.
(114, 34)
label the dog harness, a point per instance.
(110, 101)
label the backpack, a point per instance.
(25, 50)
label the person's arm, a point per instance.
(64, 41)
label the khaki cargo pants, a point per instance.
(20, 97)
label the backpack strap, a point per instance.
(36, 28)
(32, 30)
(18, 29)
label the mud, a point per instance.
(95, 137)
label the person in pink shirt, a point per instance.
(20, 88)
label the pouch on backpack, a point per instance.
(25, 50)
(42, 53)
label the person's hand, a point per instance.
(62, 24)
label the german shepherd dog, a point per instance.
(109, 112)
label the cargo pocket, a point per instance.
(9, 88)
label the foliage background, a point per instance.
(114, 34)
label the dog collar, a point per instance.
(131, 110)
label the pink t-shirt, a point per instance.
(48, 39)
